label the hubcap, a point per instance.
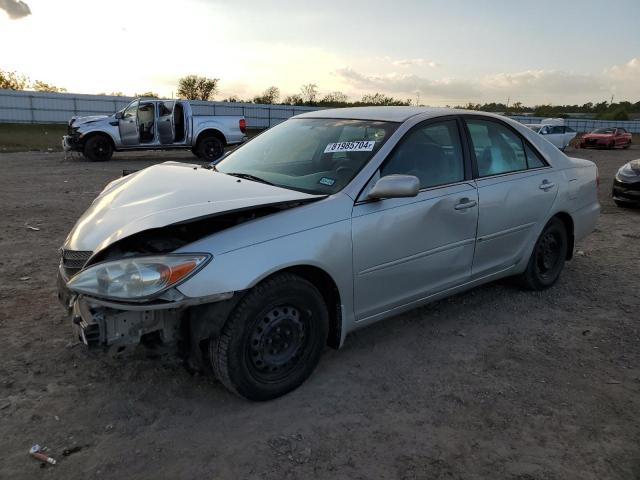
(277, 341)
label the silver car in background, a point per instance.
(150, 124)
(328, 222)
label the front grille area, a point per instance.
(73, 261)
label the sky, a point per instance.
(446, 52)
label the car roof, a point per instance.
(383, 114)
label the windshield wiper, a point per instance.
(248, 176)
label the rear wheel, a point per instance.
(210, 148)
(98, 148)
(627, 145)
(548, 257)
(273, 339)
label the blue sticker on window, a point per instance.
(327, 181)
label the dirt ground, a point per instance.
(494, 383)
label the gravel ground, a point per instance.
(493, 383)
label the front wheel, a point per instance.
(210, 148)
(98, 148)
(273, 339)
(548, 257)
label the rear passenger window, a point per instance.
(497, 148)
(533, 158)
(432, 153)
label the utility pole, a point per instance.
(418, 98)
(508, 100)
(611, 100)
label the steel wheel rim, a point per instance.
(101, 148)
(212, 149)
(277, 342)
(548, 254)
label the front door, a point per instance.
(128, 125)
(405, 249)
(516, 189)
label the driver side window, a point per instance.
(131, 111)
(431, 152)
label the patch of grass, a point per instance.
(19, 137)
(22, 137)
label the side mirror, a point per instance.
(119, 115)
(395, 186)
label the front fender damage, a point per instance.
(181, 322)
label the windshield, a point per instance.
(313, 155)
(603, 130)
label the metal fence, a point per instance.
(585, 124)
(38, 107)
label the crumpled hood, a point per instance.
(77, 121)
(165, 194)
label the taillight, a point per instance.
(243, 125)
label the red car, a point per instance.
(606, 137)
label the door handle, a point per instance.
(546, 185)
(465, 203)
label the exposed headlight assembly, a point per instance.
(137, 278)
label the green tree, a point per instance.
(194, 87)
(334, 99)
(40, 86)
(13, 81)
(309, 93)
(269, 96)
(294, 99)
(147, 95)
(383, 100)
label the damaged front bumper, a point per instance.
(101, 323)
(71, 143)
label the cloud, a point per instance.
(15, 8)
(529, 86)
(411, 62)
(409, 84)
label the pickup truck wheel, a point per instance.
(548, 257)
(98, 148)
(273, 339)
(210, 148)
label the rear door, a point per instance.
(128, 125)
(166, 129)
(405, 249)
(516, 189)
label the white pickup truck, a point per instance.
(149, 124)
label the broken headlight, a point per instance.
(137, 278)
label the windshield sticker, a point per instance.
(327, 181)
(360, 146)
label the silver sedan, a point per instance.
(326, 223)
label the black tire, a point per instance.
(627, 145)
(612, 145)
(273, 339)
(548, 257)
(98, 148)
(210, 148)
